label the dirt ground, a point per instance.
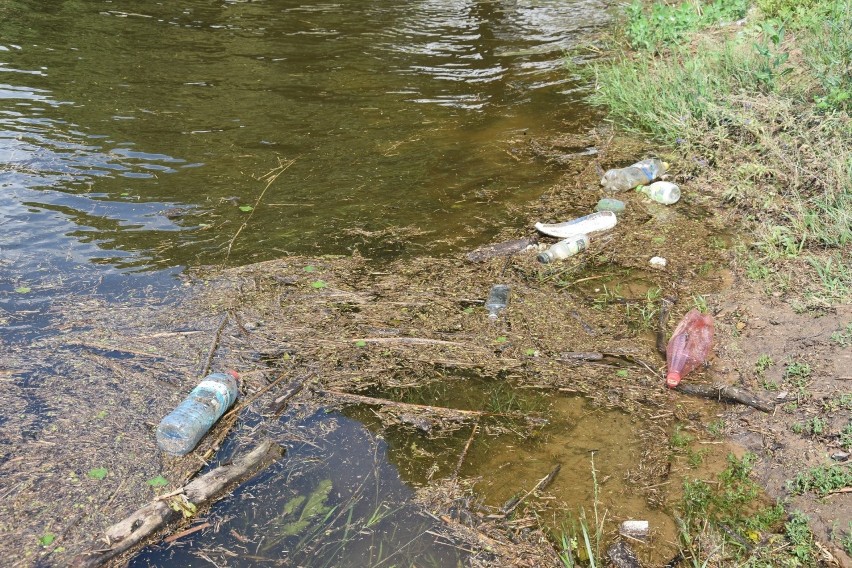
(341, 325)
(756, 325)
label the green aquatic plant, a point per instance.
(298, 513)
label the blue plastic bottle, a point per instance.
(180, 431)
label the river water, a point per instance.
(135, 138)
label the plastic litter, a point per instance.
(498, 299)
(180, 431)
(600, 221)
(635, 529)
(640, 173)
(607, 204)
(658, 262)
(664, 192)
(689, 346)
(564, 249)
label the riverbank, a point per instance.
(754, 100)
(317, 337)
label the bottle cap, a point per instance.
(543, 258)
(234, 374)
(672, 379)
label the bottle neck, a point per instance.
(673, 379)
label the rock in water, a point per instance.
(622, 556)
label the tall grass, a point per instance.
(768, 110)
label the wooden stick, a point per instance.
(666, 305)
(448, 412)
(464, 451)
(136, 528)
(726, 393)
(187, 532)
(542, 483)
(105, 347)
(410, 341)
(214, 345)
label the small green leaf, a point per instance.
(98, 473)
(360, 343)
(319, 284)
(23, 289)
(501, 339)
(310, 268)
(531, 352)
(101, 415)
(47, 539)
(622, 373)
(246, 208)
(158, 481)
(468, 310)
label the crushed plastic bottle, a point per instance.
(600, 221)
(498, 299)
(689, 346)
(180, 431)
(564, 249)
(664, 192)
(607, 204)
(640, 173)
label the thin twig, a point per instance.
(214, 345)
(270, 178)
(542, 483)
(357, 398)
(464, 451)
(187, 532)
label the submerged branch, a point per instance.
(133, 530)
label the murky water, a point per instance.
(135, 140)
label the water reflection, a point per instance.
(398, 113)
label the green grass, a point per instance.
(582, 546)
(845, 437)
(764, 361)
(821, 480)
(843, 337)
(723, 522)
(652, 27)
(767, 106)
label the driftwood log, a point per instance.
(495, 250)
(726, 393)
(135, 529)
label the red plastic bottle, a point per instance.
(689, 345)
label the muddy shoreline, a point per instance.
(333, 322)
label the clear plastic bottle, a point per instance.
(689, 346)
(498, 299)
(640, 173)
(180, 431)
(600, 221)
(664, 192)
(564, 249)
